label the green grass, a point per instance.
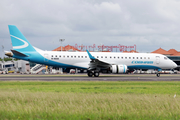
(89, 100)
(94, 87)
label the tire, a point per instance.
(96, 74)
(158, 74)
(90, 74)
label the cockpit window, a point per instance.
(165, 58)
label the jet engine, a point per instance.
(118, 69)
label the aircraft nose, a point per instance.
(174, 65)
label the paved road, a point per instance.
(83, 77)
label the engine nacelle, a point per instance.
(118, 69)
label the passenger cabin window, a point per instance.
(114, 57)
(52, 56)
(121, 57)
(133, 57)
(140, 57)
(129, 57)
(137, 57)
(59, 56)
(148, 57)
(125, 57)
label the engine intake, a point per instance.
(118, 69)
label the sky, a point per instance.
(148, 24)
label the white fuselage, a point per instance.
(132, 60)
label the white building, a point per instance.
(19, 66)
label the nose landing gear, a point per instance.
(158, 74)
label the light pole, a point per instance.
(2, 53)
(61, 40)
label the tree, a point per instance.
(8, 59)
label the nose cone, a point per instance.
(174, 65)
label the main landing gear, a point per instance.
(93, 73)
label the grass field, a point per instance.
(89, 100)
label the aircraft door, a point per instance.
(46, 57)
(157, 59)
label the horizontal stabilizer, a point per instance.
(16, 53)
(8, 53)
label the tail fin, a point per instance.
(19, 42)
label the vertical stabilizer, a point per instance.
(19, 42)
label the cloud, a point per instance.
(149, 24)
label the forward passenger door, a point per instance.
(157, 59)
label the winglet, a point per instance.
(90, 56)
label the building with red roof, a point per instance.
(132, 51)
(173, 51)
(66, 48)
(59, 49)
(162, 51)
(176, 54)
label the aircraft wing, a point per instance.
(97, 64)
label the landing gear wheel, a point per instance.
(158, 74)
(96, 74)
(90, 74)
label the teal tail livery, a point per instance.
(19, 42)
(93, 62)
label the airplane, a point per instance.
(93, 62)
